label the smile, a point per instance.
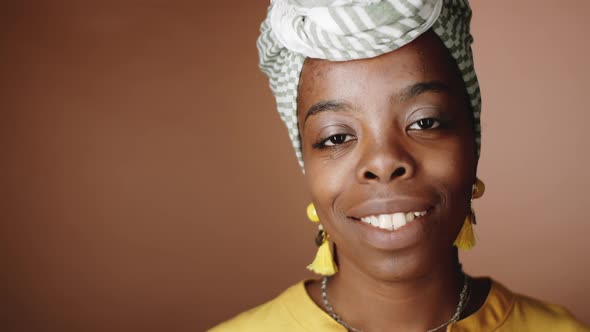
(393, 221)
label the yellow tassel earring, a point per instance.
(324, 262)
(466, 238)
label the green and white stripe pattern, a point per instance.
(340, 30)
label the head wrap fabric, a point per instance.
(340, 30)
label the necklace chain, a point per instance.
(463, 299)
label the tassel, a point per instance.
(324, 262)
(466, 239)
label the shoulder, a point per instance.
(527, 313)
(273, 315)
(541, 314)
(505, 311)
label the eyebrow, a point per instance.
(327, 105)
(414, 90)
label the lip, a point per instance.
(409, 235)
(389, 206)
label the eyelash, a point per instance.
(322, 144)
(436, 124)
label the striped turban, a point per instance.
(341, 30)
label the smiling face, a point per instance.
(390, 157)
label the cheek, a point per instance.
(326, 180)
(453, 170)
(450, 168)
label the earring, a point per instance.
(324, 262)
(466, 238)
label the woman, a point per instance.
(382, 105)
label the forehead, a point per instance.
(423, 60)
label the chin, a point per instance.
(410, 264)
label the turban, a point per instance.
(341, 30)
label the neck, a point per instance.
(416, 304)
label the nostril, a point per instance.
(400, 171)
(370, 176)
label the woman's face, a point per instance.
(384, 140)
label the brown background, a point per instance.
(148, 184)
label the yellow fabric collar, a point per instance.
(493, 312)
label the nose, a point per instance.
(383, 162)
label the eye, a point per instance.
(426, 123)
(337, 139)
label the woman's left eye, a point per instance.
(426, 123)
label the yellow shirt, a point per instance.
(502, 311)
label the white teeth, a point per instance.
(393, 221)
(420, 214)
(385, 222)
(374, 221)
(399, 220)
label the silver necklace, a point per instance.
(463, 299)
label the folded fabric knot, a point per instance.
(348, 30)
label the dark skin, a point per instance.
(384, 135)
